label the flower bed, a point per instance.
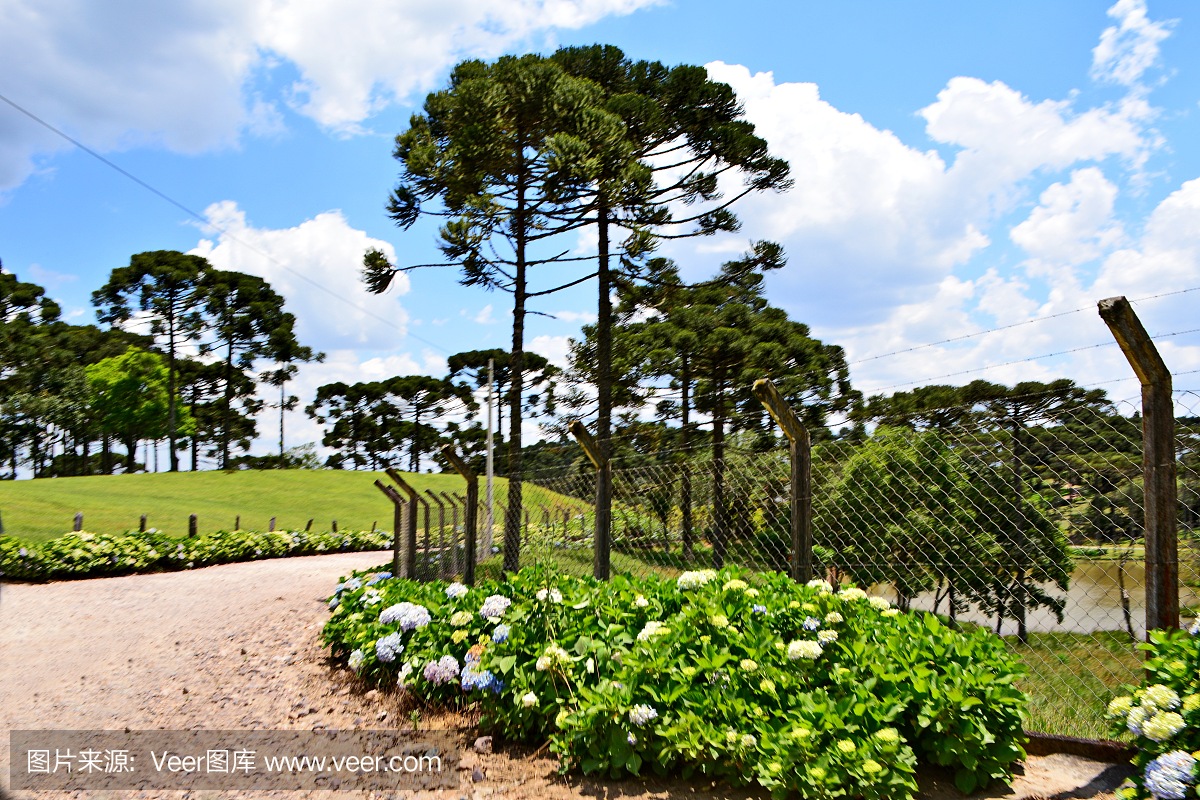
(91, 555)
(750, 678)
(1163, 715)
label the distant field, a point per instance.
(44, 508)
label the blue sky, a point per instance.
(959, 166)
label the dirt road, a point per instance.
(236, 647)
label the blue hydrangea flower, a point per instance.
(481, 679)
(1169, 776)
(757, 609)
(811, 623)
(500, 635)
(349, 586)
(456, 590)
(387, 648)
(381, 576)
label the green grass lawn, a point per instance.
(1072, 676)
(42, 509)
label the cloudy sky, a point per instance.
(970, 178)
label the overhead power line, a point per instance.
(224, 232)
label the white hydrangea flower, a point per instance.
(641, 602)
(827, 636)
(695, 578)
(823, 585)
(653, 628)
(803, 648)
(833, 618)
(852, 593)
(641, 714)
(1160, 696)
(882, 603)
(494, 607)
(529, 700)
(553, 595)
(456, 590)
(356, 660)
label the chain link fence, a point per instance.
(1027, 524)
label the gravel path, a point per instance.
(237, 647)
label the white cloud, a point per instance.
(1167, 257)
(1072, 224)
(586, 317)
(315, 266)
(873, 223)
(182, 75)
(359, 55)
(1130, 48)
(556, 349)
(484, 317)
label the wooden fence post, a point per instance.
(410, 533)
(78, 521)
(800, 483)
(271, 526)
(472, 510)
(237, 522)
(602, 541)
(141, 524)
(397, 523)
(1160, 502)
(308, 526)
(191, 525)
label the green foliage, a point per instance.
(129, 396)
(1163, 715)
(93, 555)
(753, 679)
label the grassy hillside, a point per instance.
(44, 508)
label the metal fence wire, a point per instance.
(1029, 527)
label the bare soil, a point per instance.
(237, 647)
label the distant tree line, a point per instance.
(79, 399)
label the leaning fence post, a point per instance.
(472, 510)
(602, 547)
(800, 483)
(410, 534)
(397, 522)
(1160, 502)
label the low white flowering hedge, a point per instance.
(751, 678)
(89, 555)
(1163, 715)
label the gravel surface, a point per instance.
(237, 647)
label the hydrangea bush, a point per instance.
(90, 555)
(749, 678)
(1163, 716)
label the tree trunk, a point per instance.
(1020, 540)
(685, 500)
(282, 403)
(720, 509)
(604, 396)
(171, 413)
(512, 515)
(228, 406)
